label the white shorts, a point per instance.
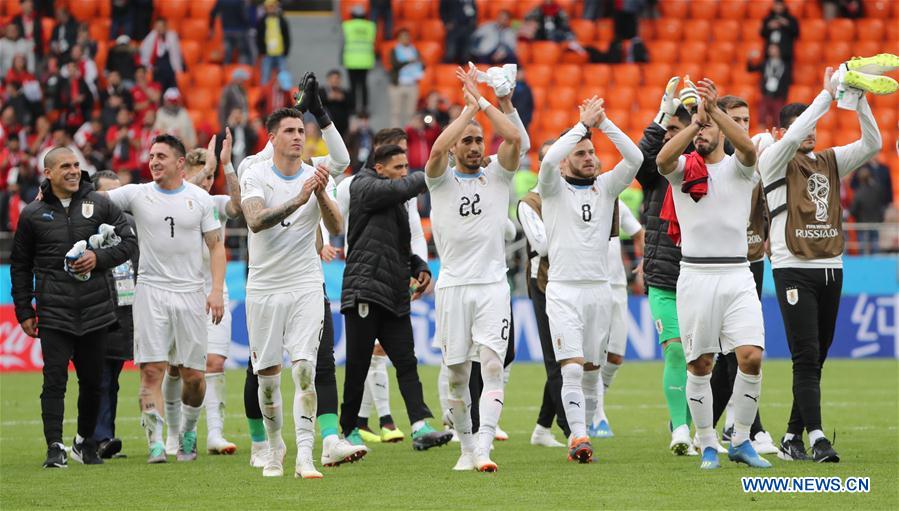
(169, 327)
(470, 316)
(718, 309)
(618, 327)
(279, 322)
(219, 335)
(579, 317)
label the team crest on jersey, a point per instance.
(559, 342)
(87, 209)
(363, 310)
(792, 296)
(190, 204)
(659, 326)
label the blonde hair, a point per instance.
(195, 159)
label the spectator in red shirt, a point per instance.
(124, 143)
(30, 26)
(421, 136)
(74, 98)
(145, 94)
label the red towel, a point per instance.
(696, 183)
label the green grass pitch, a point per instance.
(635, 469)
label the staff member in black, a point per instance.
(72, 315)
(375, 298)
(120, 342)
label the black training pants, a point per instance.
(88, 352)
(359, 88)
(325, 377)
(395, 335)
(809, 301)
(724, 373)
(553, 369)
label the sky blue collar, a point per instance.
(170, 192)
(284, 177)
(462, 175)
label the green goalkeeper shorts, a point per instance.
(663, 307)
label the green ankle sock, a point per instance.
(327, 424)
(257, 430)
(674, 382)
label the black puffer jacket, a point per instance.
(380, 260)
(44, 234)
(661, 257)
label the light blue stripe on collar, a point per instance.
(170, 192)
(286, 178)
(582, 187)
(462, 175)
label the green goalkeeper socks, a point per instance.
(327, 424)
(674, 382)
(257, 430)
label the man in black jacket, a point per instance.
(661, 265)
(120, 342)
(375, 298)
(74, 314)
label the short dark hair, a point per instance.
(103, 174)
(728, 102)
(171, 141)
(547, 144)
(683, 115)
(389, 136)
(274, 120)
(334, 72)
(384, 153)
(587, 136)
(52, 155)
(790, 112)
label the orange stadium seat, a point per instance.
(674, 8)
(418, 10)
(878, 9)
(545, 52)
(602, 144)
(539, 94)
(844, 136)
(692, 52)
(620, 116)
(886, 119)
(555, 120)
(750, 30)
(584, 30)
(431, 52)
(726, 30)
(657, 73)
(446, 75)
(605, 31)
(563, 98)
(662, 51)
(836, 52)
(807, 74)
(588, 91)
(428, 79)
(866, 48)
(567, 75)
(669, 29)
(574, 57)
(650, 96)
(698, 30)
(871, 29)
(796, 6)
(253, 95)
(808, 52)
(647, 29)
(102, 53)
(694, 70)
(626, 74)
(886, 101)
(523, 51)
(47, 25)
(840, 29)
(597, 74)
(748, 92)
(201, 9)
(703, 9)
(620, 98)
(99, 29)
(540, 75)
(412, 26)
(723, 52)
(347, 6)
(812, 10)
(183, 81)
(523, 7)
(190, 53)
(828, 122)
(194, 30)
(385, 49)
(812, 30)
(732, 10)
(801, 94)
(758, 9)
(643, 116)
(494, 6)
(207, 75)
(201, 98)
(84, 10)
(847, 120)
(175, 9)
(432, 30)
(453, 94)
(823, 138)
(741, 76)
(719, 72)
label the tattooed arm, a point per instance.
(217, 262)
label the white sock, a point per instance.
(443, 388)
(608, 374)
(699, 399)
(214, 403)
(190, 415)
(365, 407)
(304, 406)
(592, 395)
(507, 373)
(457, 388)
(747, 390)
(573, 399)
(152, 423)
(171, 393)
(379, 386)
(78, 438)
(789, 436)
(729, 414)
(418, 425)
(815, 435)
(490, 406)
(269, 394)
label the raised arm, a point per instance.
(338, 158)
(233, 209)
(623, 174)
(666, 160)
(548, 178)
(439, 157)
(850, 157)
(505, 105)
(375, 193)
(738, 137)
(508, 153)
(773, 162)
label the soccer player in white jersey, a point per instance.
(627, 223)
(283, 201)
(578, 208)
(717, 306)
(468, 216)
(174, 219)
(199, 169)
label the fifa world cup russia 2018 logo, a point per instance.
(818, 189)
